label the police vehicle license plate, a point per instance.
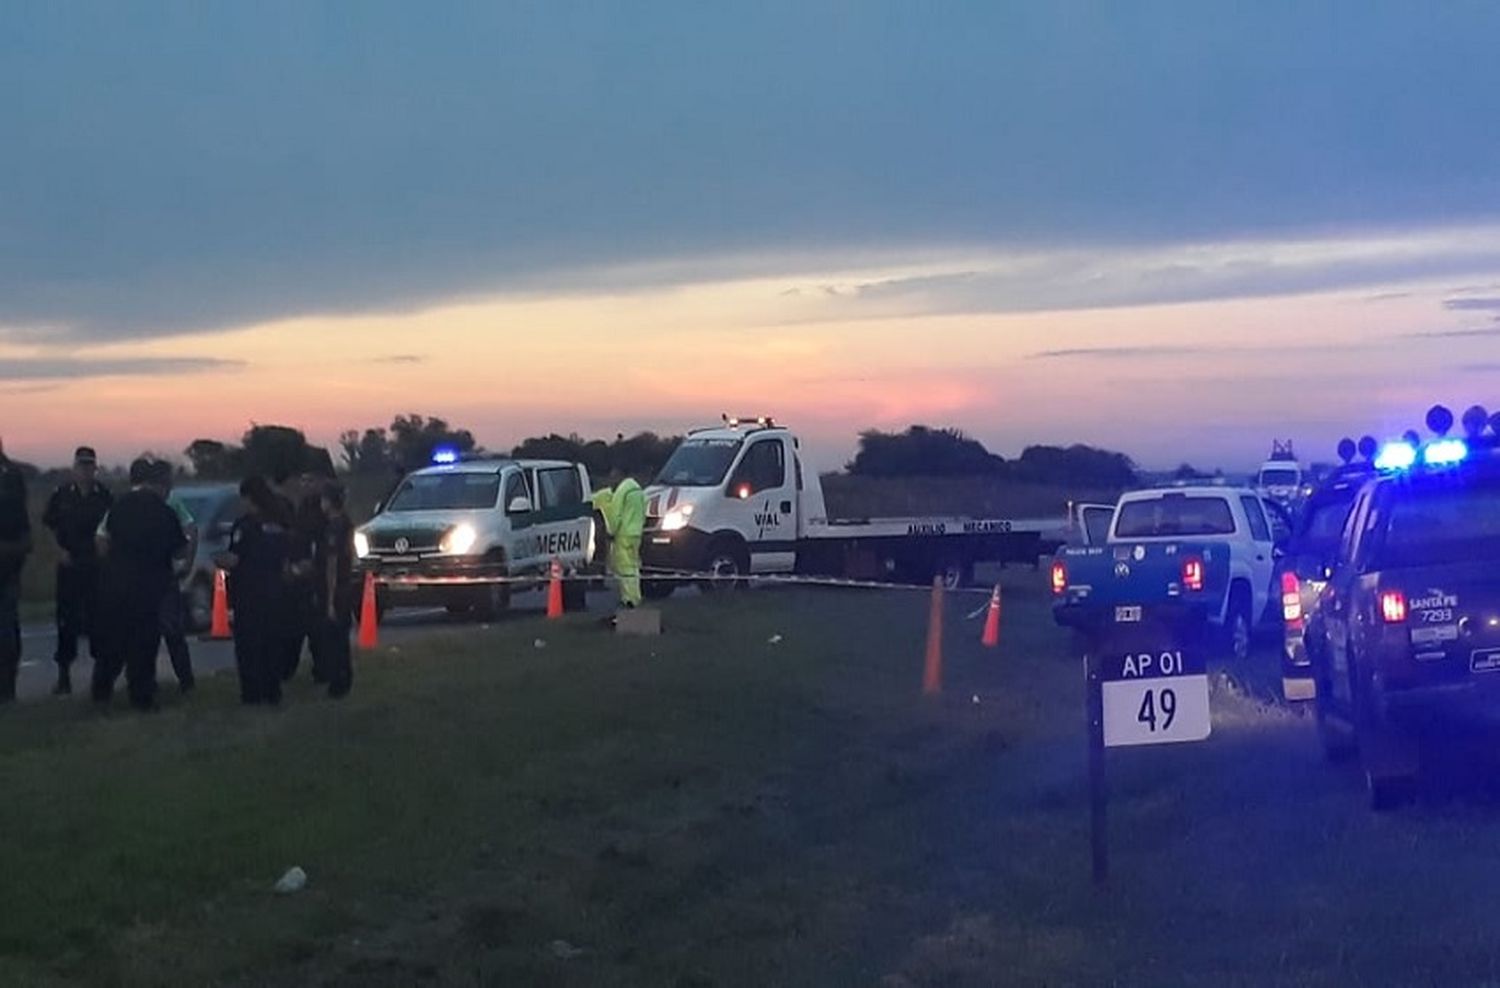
(1128, 614)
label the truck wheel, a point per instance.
(657, 589)
(200, 605)
(381, 607)
(956, 574)
(576, 595)
(492, 600)
(1336, 738)
(726, 561)
(1238, 626)
(1389, 758)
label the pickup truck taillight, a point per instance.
(1059, 578)
(1291, 600)
(1393, 606)
(1192, 574)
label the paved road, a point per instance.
(38, 642)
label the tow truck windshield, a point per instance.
(1440, 521)
(1280, 478)
(446, 492)
(699, 463)
(1173, 515)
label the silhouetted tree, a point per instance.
(213, 460)
(1076, 466)
(413, 438)
(922, 452)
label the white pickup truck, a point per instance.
(1251, 528)
(735, 500)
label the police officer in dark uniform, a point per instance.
(258, 564)
(73, 514)
(299, 498)
(142, 536)
(333, 558)
(15, 545)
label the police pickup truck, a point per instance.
(1304, 570)
(1409, 641)
(449, 529)
(1195, 533)
(735, 500)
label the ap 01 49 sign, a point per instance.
(1153, 695)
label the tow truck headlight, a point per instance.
(459, 540)
(361, 545)
(676, 518)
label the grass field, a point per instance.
(715, 808)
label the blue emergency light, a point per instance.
(1396, 456)
(1445, 452)
(444, 455)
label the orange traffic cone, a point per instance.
(554, 591)
(369, 619)
(991, 636)
(218, 627)
(932, 671)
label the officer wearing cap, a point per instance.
(15, 545)
(142, 536)
(73, 513)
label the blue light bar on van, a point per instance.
(1396, 456)
(1445, 452)
(444, 455)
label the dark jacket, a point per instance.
(74, 517)
(15, 522)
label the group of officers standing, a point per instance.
(123, 563)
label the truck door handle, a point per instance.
(786, 507)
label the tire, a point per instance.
(955, 574)
(381, 608)
(1337, 739)
(657, 589)
(727, 561)
(1239, 628)
(575, 594)
(457, 609)
(1388, 757)
(200, 605)
(491, 601)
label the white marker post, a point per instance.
(1147, 684)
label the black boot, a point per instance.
(64, 682)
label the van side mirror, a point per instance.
(519, 505)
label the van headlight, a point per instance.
(361, 545)
(459, 540)
(676, 518)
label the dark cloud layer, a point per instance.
(17, 369)
(171, 167)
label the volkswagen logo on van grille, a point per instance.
(402, 544)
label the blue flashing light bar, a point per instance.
(444, 455)
(1396, 456)
(1445, 452)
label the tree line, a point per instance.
(921, 451)
(409, 441)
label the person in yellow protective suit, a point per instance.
(624, 509)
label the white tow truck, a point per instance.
(735, 500)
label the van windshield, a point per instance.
(446, 492)
(699, 463)
(1280, 477)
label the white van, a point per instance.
(449, 526)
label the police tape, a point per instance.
(659, 576)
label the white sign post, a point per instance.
(1146, 685)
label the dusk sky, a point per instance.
(1175, 229)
